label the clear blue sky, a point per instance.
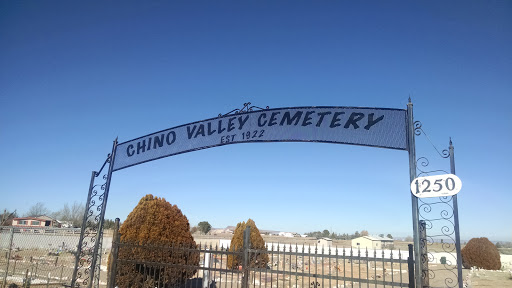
(76, 75)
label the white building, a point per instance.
(286, 234)
(372, 242)
(324, 242)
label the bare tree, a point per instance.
(38, 209)
(7, 217)
(73, 214)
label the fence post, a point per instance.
(245, 262)
(424, 254)
(26, 280)
(206, 273)
(111, 275)
(8, 257)
(410, 264)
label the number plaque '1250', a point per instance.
(436, 186)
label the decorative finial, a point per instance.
(409, 98)
(450, 141)
(245, 108)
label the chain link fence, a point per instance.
(41, 257)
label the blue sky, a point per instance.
(76, 75)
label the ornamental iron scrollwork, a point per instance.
(438, 217)
(246, 108)
(92, 232)
(418, 130)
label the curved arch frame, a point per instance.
(374, 127)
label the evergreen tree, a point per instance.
(481, 253)
(204, 227)
(163, 233)
(258, 259)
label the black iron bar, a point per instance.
(383, 269)
(303, 263)
(414, 200)
(322, 263)
(392, 276)
(272, 263)
(375, 266)
(309, 265)
(290, 266)
(220, 273)
(456, 219)
(214, 265)
(400, 265)
(359, 261)
(296, 263)
(337, 266)
(367, 268)
(261, 257)
(344, 268)
(330, 268)
(351, 266)
(410, 266)
(316, 265)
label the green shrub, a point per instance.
(164, 233)
(256, 260)
(481, 253)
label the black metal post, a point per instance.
(411, 145)
(456, 219)
(245, 262)
(111, 277)
(410, 264)
(102, 214)
(424, 254)
(82, 232)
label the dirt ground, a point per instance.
(486, 278)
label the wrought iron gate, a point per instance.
(288, 266)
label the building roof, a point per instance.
(40, 218)
(28, 218)
(376, 238)
(325, 238)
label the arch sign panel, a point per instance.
(376, 127)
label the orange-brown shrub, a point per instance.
(256, 260)
(155, 231)
(481, 253)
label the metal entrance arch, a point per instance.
(374, 127)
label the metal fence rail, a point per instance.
(327, 267)
(288, 266)
(37, 256)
